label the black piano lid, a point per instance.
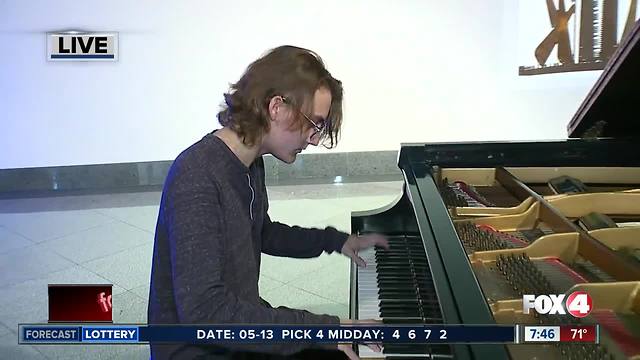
(611, 108)
(602, 152)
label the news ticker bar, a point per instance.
(220, 334)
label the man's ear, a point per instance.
(275, 105)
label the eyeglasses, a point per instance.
(317, 130)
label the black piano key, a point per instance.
(398, 282)
(391, 274)
(402, 290)
(400, 305)
(402, 320)
(405, 280)
(401, 265)
(382, 266)
(407, 283)
(440, 348)
(417, 270)
(415, 312)
(388, 271)
(397, 286)
(404, 295)
(397, 292)
(400, 313)
(412, 253)
(399, 302)
(405, 349)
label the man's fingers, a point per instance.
(374, 347)
(382, 242)
(375, 240)
(354, 255)
(359, 260)
(347, 350)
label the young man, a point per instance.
(213, 222)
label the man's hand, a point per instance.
(347, 349)
(356, 243)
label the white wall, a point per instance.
(413, 71)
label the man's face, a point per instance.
(285, 142)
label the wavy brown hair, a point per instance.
(288, 71)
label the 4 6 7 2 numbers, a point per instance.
(427, 334)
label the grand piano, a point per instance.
(480, 224)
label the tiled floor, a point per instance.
(108, 238)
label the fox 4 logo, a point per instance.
(578, 304)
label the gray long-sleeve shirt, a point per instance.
(211, 230)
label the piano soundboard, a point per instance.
(586, 238)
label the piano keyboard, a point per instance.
(396, 287)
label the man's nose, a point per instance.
(314, 139)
